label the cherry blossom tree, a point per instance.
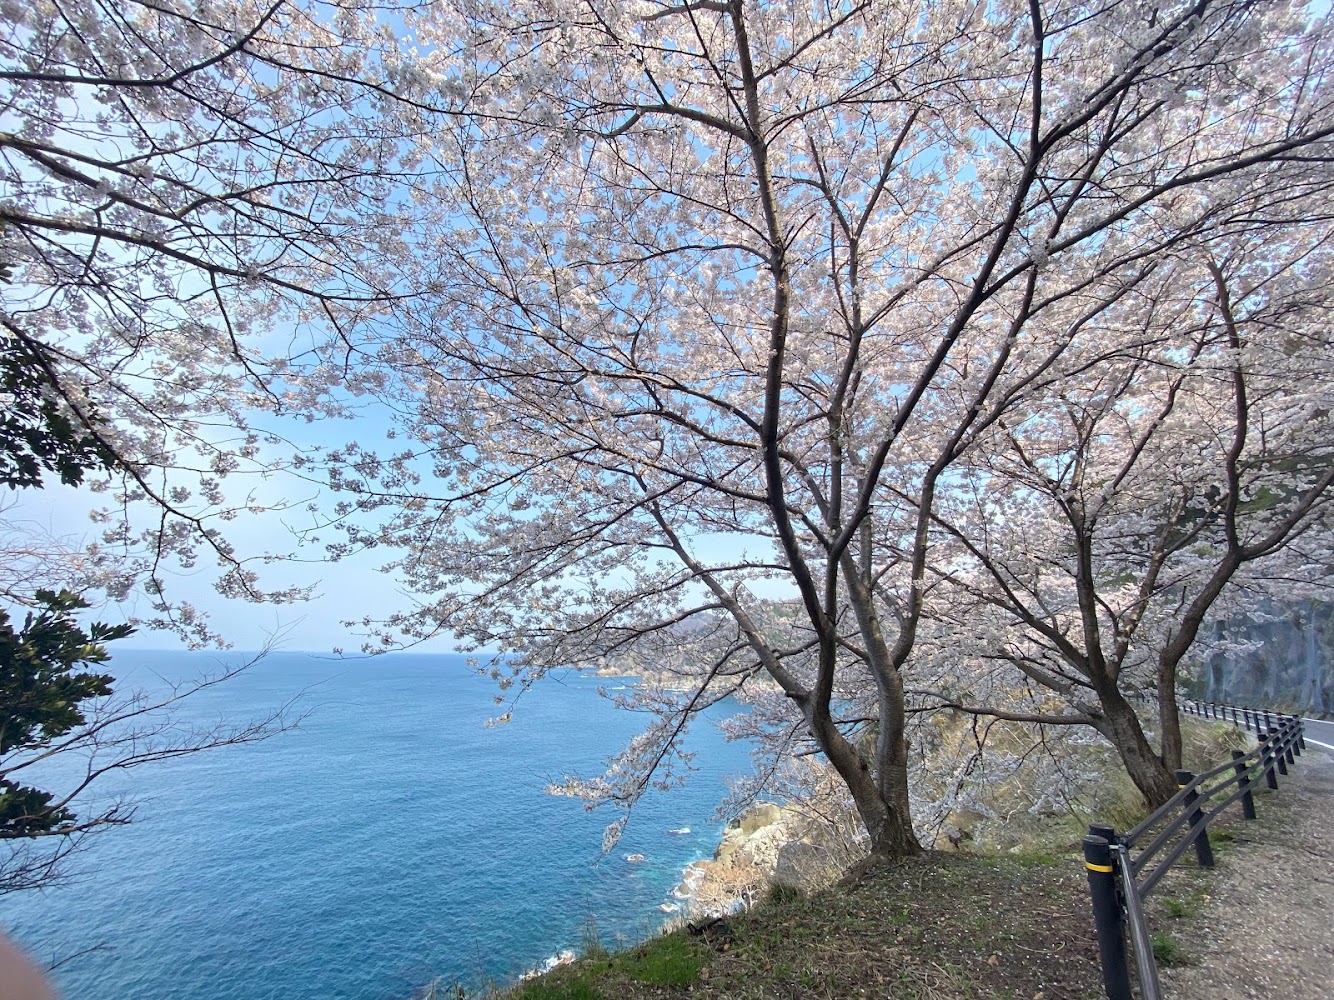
(190, 195)
(722, 300)
(705, 324)
(61, 724)
(1104, 524)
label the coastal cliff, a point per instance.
(769, 844)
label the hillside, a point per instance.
(945, 927)
(1009, 925)
(969, 927)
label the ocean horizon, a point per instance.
(393, 839)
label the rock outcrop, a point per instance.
(766, 845)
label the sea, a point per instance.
(392, 839)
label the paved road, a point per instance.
(1320, 733)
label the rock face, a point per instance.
(1285, 661)
(801, 864)
(768, 844)
(756, 818)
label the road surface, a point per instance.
(1320, 734)
(1256, 930)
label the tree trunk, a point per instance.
(1169, 724)
(1120, 725)
(887, 820)
(891, 752)
(891, 832)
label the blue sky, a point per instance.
(346, 590)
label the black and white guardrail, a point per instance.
(1119, 880)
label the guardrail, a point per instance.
(1119, 882)
(1251, 719)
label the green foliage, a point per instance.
(671, 960)
(591, 942)
(1176, 908)
(782, 893)
(36, 434)
(42, 693)
(1165, 949)
(551, 987)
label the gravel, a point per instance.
(1261, 923)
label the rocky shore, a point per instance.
(768, 844)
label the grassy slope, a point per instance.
(944, 926)
(941, 927)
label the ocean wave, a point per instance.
(691, 875)
(550, 963)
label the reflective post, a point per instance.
(1107, 917)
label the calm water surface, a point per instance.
(393, 838)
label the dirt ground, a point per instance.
(1261, 923)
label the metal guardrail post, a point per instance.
(1244, 784)
(1289, 742)
(1104, 830)
(1107, 919)
(1204, 852)
(1146, 968)
(1301, 734)
(1267, 756)
(1276, 748)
